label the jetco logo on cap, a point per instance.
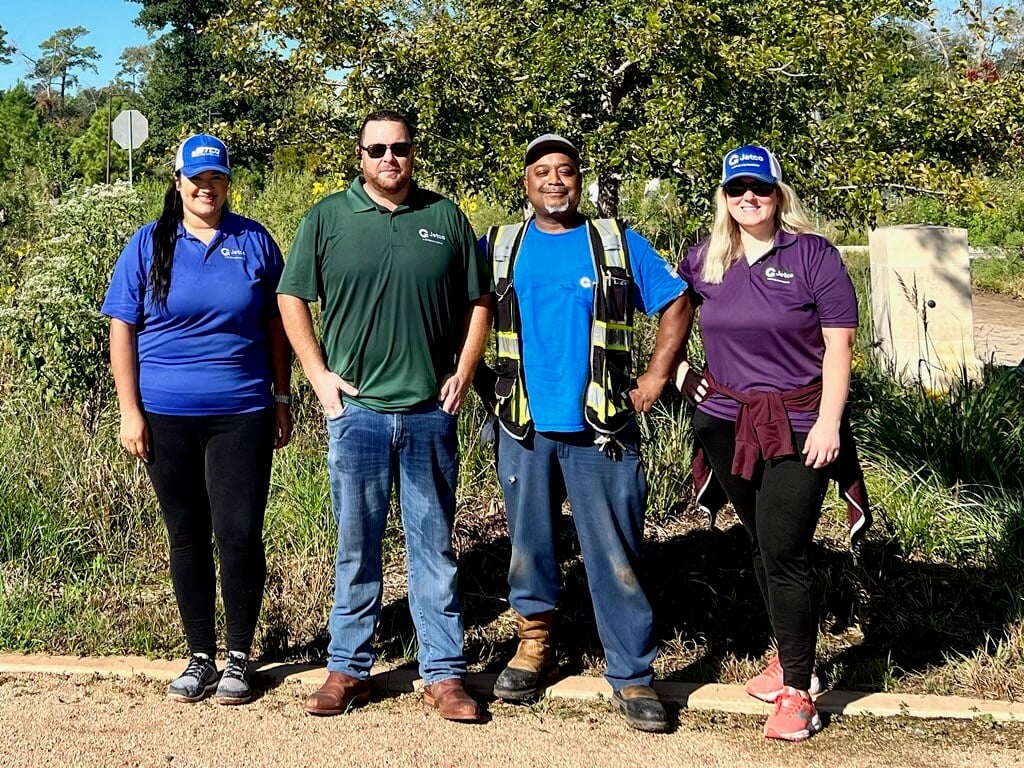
(745, 158)
(432, 237)
(206, 152)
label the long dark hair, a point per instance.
(165, 236)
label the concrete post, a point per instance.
(921, 303)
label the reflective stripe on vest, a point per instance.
(607, 407)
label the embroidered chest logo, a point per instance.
(776, 275)
(431, 237)
(232, 253)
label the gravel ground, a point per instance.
(52, 720)
(999, 328)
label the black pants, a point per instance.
(779, 508)
(212, 477)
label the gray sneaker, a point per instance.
(196, 682)
(234, 684)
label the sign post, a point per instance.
(130, 129)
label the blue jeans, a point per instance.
(608, 499)
(369, 452)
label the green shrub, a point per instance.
(280, 200)
(52, 317)
(997, 222)
(1001, 274)
(661, 216)
(970, 435)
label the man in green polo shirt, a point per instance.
(406, 308)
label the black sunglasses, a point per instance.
(398, 149)
(739, 188)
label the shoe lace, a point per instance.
(197, 667)
(790, 704)
(234, 668)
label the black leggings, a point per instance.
(779, 508)
(212, 477)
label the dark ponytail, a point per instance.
(165, 237)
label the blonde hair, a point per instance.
(724, 249)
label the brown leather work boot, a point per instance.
(451, 701)
(338, 694)
(524, 677)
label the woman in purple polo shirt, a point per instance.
(202, 369)
(778, 318)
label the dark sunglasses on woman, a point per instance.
(739, 188)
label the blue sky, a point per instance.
(110, 25)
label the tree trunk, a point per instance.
(608, 194)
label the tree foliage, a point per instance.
(133, 65)
(60, 57)
(19, 127)
(89, 149)
(183, 88)
(6, 49)
(660, 88)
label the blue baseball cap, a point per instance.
(751, 160)
(202, 152)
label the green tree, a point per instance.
(19, 129)
(5, 48)
(134, 64)
(89, 150)
(60, 57)
(659, 88)
(184, 88)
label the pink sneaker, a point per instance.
(794, 718)
(768, 685)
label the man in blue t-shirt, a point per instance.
(558, 370)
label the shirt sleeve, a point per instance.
(687, 267)
(832, 288)
(127, 290)
(300, 276)
(656, 281)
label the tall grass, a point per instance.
(933, 522)
(970, 434)
(83, 558)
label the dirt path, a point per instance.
(84, 721)
(999, 328)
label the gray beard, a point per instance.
(552, 209)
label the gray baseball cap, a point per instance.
(551, 142)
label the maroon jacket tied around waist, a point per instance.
(763, 432)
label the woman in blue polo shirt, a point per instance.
(202, 370)
(778, 318)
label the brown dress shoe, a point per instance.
(338, 694)
(451, 701)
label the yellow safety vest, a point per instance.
(608, 407)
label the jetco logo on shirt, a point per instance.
(232, 253)
(432, 237)
(776, 275)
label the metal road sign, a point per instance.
(130, 129)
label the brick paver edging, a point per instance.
(712, 696)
